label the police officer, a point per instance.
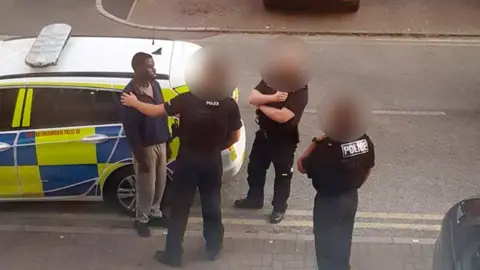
(338, 164)
(205, 122)
(280, 108)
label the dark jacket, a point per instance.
(142, 130)
(337, 167)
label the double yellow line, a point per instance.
(293, 219)
(380, 220)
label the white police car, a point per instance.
(60, 135)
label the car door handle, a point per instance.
(4, 146)
(95, 138)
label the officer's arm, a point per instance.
(301, 163)
(310, 148)
(130, 100)
(295, 104)
(233, 138)
(278, 115)
(234, 124)
(256, 98)
(150, 109)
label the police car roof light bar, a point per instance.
(48, 46)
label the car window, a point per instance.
(8, 99)
(62, 107)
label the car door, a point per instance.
(11, 103)
(66, 135)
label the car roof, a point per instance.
(110, 56)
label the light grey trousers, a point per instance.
(150, 183)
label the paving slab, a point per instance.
(427, 17)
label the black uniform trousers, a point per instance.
(266, 150)
(333, 221)
(202, 170)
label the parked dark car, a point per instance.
(344, 5)
(458, 245)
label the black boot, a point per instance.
(247, 203)
(168, 259)
(142, 229)
(212, 254)
(276, 217)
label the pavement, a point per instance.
(414, 17)
(108, 251)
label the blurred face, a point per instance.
(342, 119)
(211, 74)
(344, 115)
(214, 75)
(285, 70)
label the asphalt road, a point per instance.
(374, 16)
(426, 99)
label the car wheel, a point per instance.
(120, 192)
(350, 7)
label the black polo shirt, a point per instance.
(338, 167)
(204, 125)
(296, 102)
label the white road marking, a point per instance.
(394, 112)
(345, 40)
(132, 8)
(427, 113)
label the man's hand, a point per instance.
(256, 98)
(128, 99)
(300, 165)
(168, 150)
(279, 96)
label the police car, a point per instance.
(60, 134)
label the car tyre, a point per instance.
(350, 7)
(119, 191)
(122, 178)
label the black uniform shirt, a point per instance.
(204, 125)
(337, 167)
(296, 102)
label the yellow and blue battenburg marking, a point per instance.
(9, 185)
(57, 163)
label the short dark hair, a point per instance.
(139, 59)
